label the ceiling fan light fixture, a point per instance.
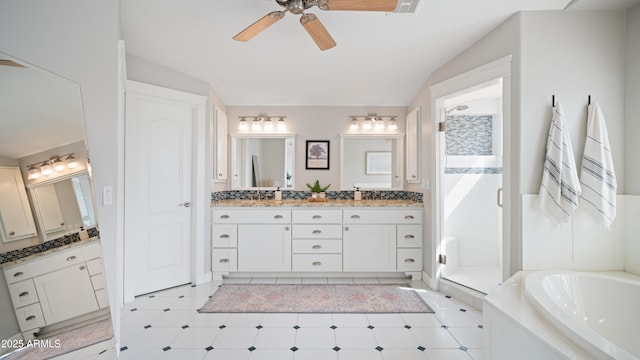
(257, 27)
(317, 31)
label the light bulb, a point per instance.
(354, 124)
(379, 124)
(393, 124)
(46, 169)
(255, 125)
(281, 125)
(268, 125)
(71, 162)
(58, 165)
(243, 124)
(33, 173)
(366, 125)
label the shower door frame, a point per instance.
(497, 69)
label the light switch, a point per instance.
(107, 195)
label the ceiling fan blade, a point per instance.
(257, 27)
(318, 32)
(361, 5)
(4, 62)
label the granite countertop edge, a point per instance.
(327, 204)
(11, 263)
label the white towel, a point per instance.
(560, 187)
(597, 176)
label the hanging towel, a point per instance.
(597, 176)
(560, 187)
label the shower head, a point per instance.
(460, 107)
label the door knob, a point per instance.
(185, 204)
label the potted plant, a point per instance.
(317, 190)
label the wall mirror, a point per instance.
(41, 121)
(262, 161)
(372, 161)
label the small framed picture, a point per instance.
(317, 155)
(378, 163)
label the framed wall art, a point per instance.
(317, 155)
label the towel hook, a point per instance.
(553, 100)
(589, 100)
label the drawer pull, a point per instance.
(278, 217)
(355, 216)
(224, 261)
(409, 236)
(224, 236)
(19, 273)
(409, 217)
(71, 258)
(224, 216)
(316, 232)
(316, 247)
(316, 263)
(409, 260)
(12, 233)
(24, 293)
(316, 217)
(31, 317)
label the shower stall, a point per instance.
(471, 187)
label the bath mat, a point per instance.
(307, 298)
(65, 342)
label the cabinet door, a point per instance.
(264, 247)
(413, 146)
(220, 131)
(66, 293)
(369, 248)
(16, 221)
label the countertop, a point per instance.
(329, 204)
(49, 252)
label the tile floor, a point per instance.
(166, 325)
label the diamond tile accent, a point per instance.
(422, 348)
(294, 349)
(444, 326)
(333, 327)
(371, 327)
(379, 348)
(221, 327)
(185, 326)
(463, 310)
(251, 348)
(296, 327)
(463, 348)
(209, 348)
(336, 348)
(166, 348)
(407, 327)
(259, 327)
(123, 348)
(147, 326)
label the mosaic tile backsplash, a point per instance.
(45, 246)
(303, 195)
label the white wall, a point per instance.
(314, 123)
(78, 40)
(632, 101)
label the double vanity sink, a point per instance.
(299, 236)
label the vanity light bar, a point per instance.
(262, 122)
(373, 121)
(55, 163)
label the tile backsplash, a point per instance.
(303, 195)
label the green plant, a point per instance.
(316, 188)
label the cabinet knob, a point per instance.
(219, 174)
(24, 293)
(409, 260)
(316, 247)
(316, 263)
(316, 232)
(224, 236)
(286, 228)
(82, 267)
(346, 228)
(71, 258)
(224, 216)
(355, 216)
(278, 216)
(316, 217)
(224, 261)
(409, 236)
(409, 217)
(19, 273)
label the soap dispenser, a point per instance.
(278, 194)
(357, 195)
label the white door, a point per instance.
(158, 190)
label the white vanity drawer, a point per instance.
(317, 231)
(30, 317)
(95, 266)
(92, 251)
(317, 262)
(103, 298)
(45, 264)
(225, 236)
(23, 293)
(98, 282)
(316, 216)
(251, 216)
(409, 236)
(317, 246)
(409, 259)
(382, 216)
(224, 260)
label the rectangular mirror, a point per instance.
(374, 161)
(262, 161)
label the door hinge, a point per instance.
(442, 259)
(442, 126)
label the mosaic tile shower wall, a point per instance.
(470, 135)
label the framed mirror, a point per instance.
(262, 161)
(373, 161)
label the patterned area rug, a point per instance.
(259, 298)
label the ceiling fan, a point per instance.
(309, 21)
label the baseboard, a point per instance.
(204, 278)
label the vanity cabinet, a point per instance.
(16, 220)
(57, 287)
(369, 247)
